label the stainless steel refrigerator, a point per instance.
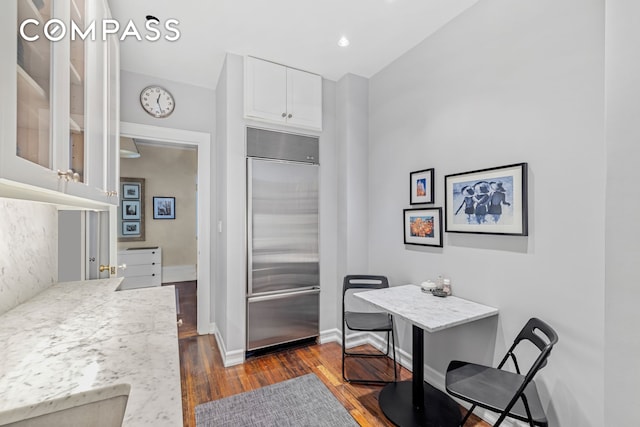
(283, 284)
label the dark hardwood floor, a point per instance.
(204, 378)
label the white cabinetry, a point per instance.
(284, 95)
(58, 101)
(144, 267)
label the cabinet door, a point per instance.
(96, 105)
(304, 99)
(75, 155)
(265, 90)
(98, 138)
(26, 150)
(113, 120)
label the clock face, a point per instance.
(157, 101)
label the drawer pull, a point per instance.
(153, 252)
(153, 274)
(153, 263)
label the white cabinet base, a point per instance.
(144, 267)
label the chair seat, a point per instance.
(493, 388)
(368, 321)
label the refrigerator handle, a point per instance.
(249, 226)
(284, 295)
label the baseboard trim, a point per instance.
(229, 358)
(179, 273)
(330, 335)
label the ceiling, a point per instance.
(299, 33)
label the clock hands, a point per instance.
(158, 102)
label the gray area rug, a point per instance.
(302, 401)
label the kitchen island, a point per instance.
(78, 336)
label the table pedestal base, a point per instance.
(437, 410)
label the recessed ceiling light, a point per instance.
(343, 42)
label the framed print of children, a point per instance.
(491, 201)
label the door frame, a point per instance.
(202, 140)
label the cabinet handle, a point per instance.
(153, 263)
(284, 115)
(152, 253)
(69, 175)
(289, 116)
(153, 274)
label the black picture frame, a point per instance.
(131, 191)
(130, 228)
(423, 226)
(164, 208)
(488, 201)
(421, 186)
(131, 210)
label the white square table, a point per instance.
(416, 403)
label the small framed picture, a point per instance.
(487, 201)
(130, 228)
(131, 191)
(423, 227)
(130, 209)
(421, 187)
(164, 208)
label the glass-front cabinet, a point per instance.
(33, 75)
(59, 103)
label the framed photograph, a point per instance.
(487, 201)
(131, 217)
(131, 191)
(130, 228)
(421, 187)
(131, 209)
(164, 208)
(423, 227)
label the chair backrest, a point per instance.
(362, 281)
(539, 334)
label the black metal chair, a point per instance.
(366, 322)
(511, 394)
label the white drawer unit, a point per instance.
(144, 267)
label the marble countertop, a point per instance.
(79, 336)
(424, 310)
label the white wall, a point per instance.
(219, 294)
(71, 246)
(622, 342)
(231, 283)
(28, 250)
(330, 283)
(195, 105)
(352, 125)
(505, 82)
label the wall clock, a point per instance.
(157, 101)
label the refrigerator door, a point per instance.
(282, 226)
(282, 318)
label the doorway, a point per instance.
(202, 142)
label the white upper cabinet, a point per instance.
(56, 137)
(284, 95)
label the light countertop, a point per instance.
(79, 336)
(425, 310)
